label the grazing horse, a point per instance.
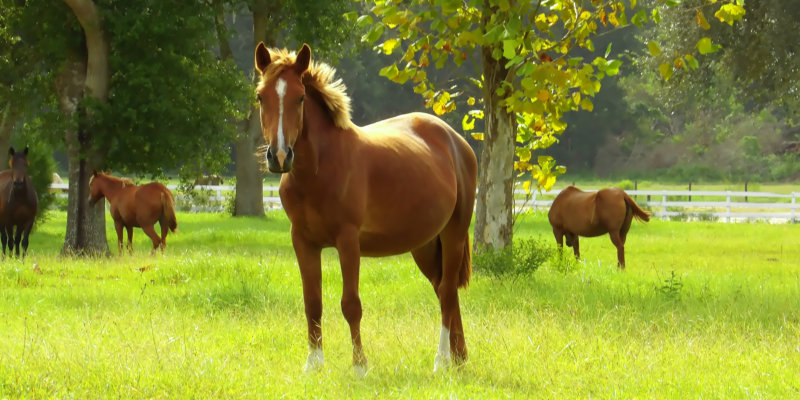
(577, 213)
(403, 184)
(18, 203)
(136, 206)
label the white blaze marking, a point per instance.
(442, 360)
(280, 87)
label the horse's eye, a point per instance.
(258, 96)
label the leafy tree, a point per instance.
(527, 78)
(137, 87)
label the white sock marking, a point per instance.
(315, 359)
(442, 359)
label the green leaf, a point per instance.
(613, 67)
(654, 48)
(691, 61)
(704, 46)
(510, 48)
(666, 70)
(389, 71)
(729, 13)
(608, 50)
(373, 34)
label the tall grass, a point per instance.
(703, 310)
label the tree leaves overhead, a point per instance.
(172, 100)
(533, 40)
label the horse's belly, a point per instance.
(380, 244)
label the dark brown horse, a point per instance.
(18, 203)
(136, 206)
(399, 185)
(577, 213)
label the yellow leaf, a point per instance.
(467, 123)
(389, 45)
(526, 186)
(587, 105)
(471, 101)
(701, 20)
(477, 135)
(543, 96)
(612, 19)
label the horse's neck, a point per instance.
(111, 189)
(317, 139)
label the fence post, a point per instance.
(728, 206)
(664, 203)
(745, 190)
(690, 189)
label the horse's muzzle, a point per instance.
(274, 163)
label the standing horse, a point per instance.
(399, 185)
(577, 213)
(136, 206)
(18, 203)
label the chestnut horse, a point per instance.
(577, 213)
(18, 203)
(398, 185)
(136, 206)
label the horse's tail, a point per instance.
(466, 265)
(640, 214)
(168, 210)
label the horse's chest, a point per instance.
(316, 217)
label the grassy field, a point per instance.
(704, 310)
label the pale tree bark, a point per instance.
(494, 207)
(8, 118)
(87, 76)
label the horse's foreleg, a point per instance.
(118, 228)
(620, 244)
(150, 231)
(25, 235)
(4, 239)
(129, 229)
(350, 259)
(308, 260)
(576, 248)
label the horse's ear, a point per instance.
(303, 59)
(262, 57)
(94, 173)
(11, 151)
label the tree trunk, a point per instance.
(82, 77)
(249, 199)
(494, 209)
(7, 121)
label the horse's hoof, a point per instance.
(315, 361)
(360, 370)
(442, 362)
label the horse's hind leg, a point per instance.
(451, 339)
(17, 240)
(308, 259)
(4, 237)
(573, 240)
(429, 261)
(164, 231)
(620, 244)
(151, 232)
(350, 259)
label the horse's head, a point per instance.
(95, 192)
(18, 162)
(281, 94)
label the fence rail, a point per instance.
(728, 206)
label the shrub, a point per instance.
(525, 257)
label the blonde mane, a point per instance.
(320, 77)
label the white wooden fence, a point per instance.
(726, 206)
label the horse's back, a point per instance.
(588, 213)
(419, 174)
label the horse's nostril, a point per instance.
(289, 153)
(270, 157)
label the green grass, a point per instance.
(704, 310)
